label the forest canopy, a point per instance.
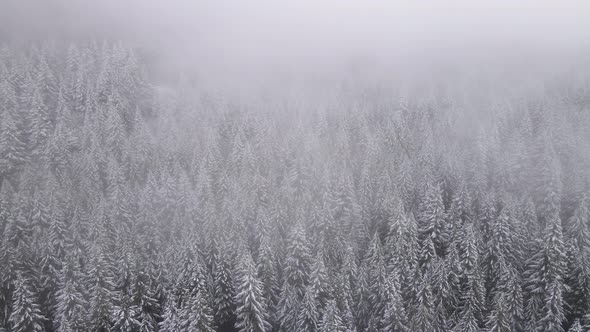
(449, 205)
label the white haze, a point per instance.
(237, 42)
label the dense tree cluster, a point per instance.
(126, 207)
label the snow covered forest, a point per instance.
(125, 206)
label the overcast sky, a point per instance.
(256, 34)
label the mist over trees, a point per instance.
(125, 206)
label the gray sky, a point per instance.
(260, 36)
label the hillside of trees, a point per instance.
(128, 207)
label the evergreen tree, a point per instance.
(267, 274)
(251, 306)
(170, 319)
(309, 315)
(576, 326)
(197, 315)
(577, 250)
(331, 320)
(12, 147)
(71, 304)
(377, 281)
(146, 298)
(26, 314)
(499, 320)
(423, 316)
(432, 224)
(394, 319)
(99, 278)
(224, 291)
(472, 287)
(125, 311)
(319, 281)
(553, 309)
(296, 277)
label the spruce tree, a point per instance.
(394, 318)
(197, 315)
(296, 277)
(170, 319)
(332, 321)
(223, 290)
(432, 223)
(309, 314)
(576, 327)
(377, 281)
(71, 311)
(422, 319)
(99, 278)
(25, 315)
(251, 309)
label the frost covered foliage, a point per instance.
(129, 208)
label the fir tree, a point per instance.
(99, 278)
(394, 318)
(296, 277)
(26, 314)
(170, 319)
(71, 304)
(377, 281)
(331, 320)
(197, 315)
(224, 291)
(432, 225)
(576, 326)
(422, 319)
(251, 309)
(309, 315)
